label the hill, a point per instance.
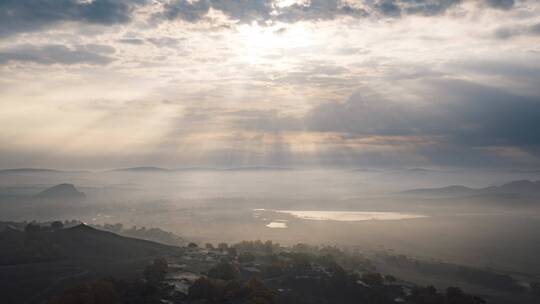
(141, 169)
(78, 242)
(29, 170)
(41, 261)
(38, 171)
(449, 190)
(520, 187)
(61, 191)
(149, 169)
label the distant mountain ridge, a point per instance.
(39, 170)
(524, 187)
(160, 169)
(140, 169)
(143, 169)
(30, 170)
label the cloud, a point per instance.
(277, 81)
(18, 16)
(396, 8)
(58, 54)
(316, 73)
(501, 4)
(487, 116)
(456, 122)
(245, 11)
(366, 113)
(465, 113)
(238, 10)
(167, 42)
(263, 121)
(186, 10)
(315, 10)
(388, 8)
(319, 10)
(507, 32)
(134, 41)
(521, 72)
(428, 7)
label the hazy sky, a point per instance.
(356, 83)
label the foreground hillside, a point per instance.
(82, 265)
(40, 261)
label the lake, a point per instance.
(342, 216)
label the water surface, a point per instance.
(350, 216)
(277, 225)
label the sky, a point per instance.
(92, 84)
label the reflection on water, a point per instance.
(277, 225)
(343, 216)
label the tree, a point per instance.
(372, 279)
(275, 269)
(258, 292)
(453, 292)
(454, 295)
(232, 252)
(203, 288)
(224, 271)
(155, 272)
(390, 279)
(223, 246)
(32, 227)
(425, 295)
(535, 288)
(57, 225)
(99, 292)
(246, 257)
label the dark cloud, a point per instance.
(525, 71)
(428, 7)
(535, 29)
(187, 11)
(29, 15)
(507, 32)
(388, 8)
(368, 114)
(245, 11)
(396, 8)
(240, 10)
(501, 4)
(456, 123)
(134, 41)
(517, 30)
(314, 10)
(319, 10)
(465, 113)
(487, 116)
(58, 54)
